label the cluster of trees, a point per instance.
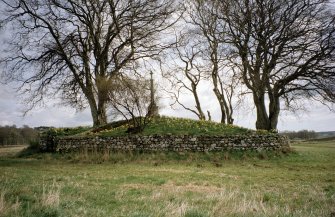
(302, 134)
(11, 135)
(95, 53)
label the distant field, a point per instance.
(190, 185)
(7, 151)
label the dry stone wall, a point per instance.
(171, 143)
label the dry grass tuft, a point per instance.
(3, 205)
(175, 209)
(51, 197)
(6, 207)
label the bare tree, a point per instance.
(285, 49)
(131, 98)
(185, 71)
(204, 17)
(73, 48)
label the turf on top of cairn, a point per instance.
(169, 126)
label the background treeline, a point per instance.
(11, 135)
(302, 134)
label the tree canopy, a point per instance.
(75, 47)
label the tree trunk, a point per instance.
(221, 103)
(229, 110)
(98, 112)
(274, 109)
(99, 116)
(201, 114)
(262, 121)
(102, 116)
(230, 119)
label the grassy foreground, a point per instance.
(194, 185)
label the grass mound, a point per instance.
(172, 126)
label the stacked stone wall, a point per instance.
(176, 143)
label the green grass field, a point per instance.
(191, 185)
